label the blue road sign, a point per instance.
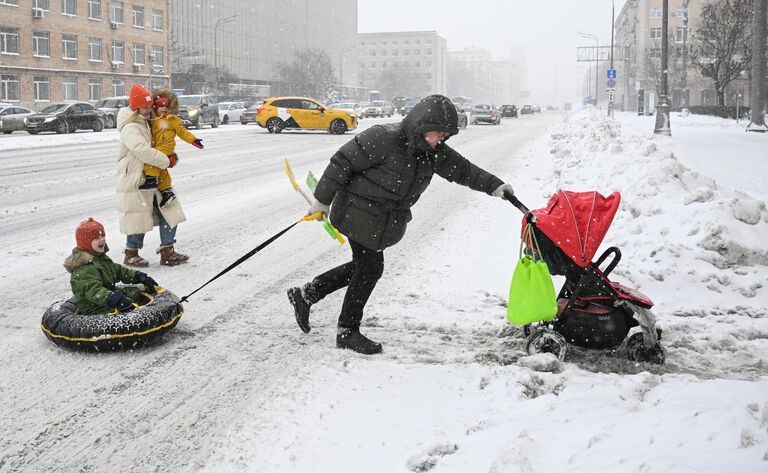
(611, 73)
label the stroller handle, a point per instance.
(511, 197)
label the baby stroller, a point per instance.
(593, 312)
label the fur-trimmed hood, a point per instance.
(80, 258)
(173, 107)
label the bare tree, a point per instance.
(311, 74)
(722, 45)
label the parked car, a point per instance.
(12, 118)
(350, 107)
(379, 108)
(248, 115)
(230, 111)
(485, 113)
(509, 111)
(198, 110)
(279, 113)
(110, 106)
(409, 105)
(526, 110)
(66, 118)
(463, 120)
(537, 109)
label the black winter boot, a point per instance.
(352, 339)
(167, 197)
(150, 184)
(300, 308)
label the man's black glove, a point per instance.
(118, 301)
(147, 281)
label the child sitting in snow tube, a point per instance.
(101, 315)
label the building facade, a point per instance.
(80, 50)
(249, 40)
(638, 29)
(400, 64)
(474, 73)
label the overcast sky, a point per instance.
(545, 28)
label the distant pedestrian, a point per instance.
(139, 211)
(372, 182)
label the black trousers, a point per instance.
(359, 275)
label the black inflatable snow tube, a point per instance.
(112, 331)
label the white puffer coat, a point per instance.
(135, 207)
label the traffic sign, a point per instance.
(611, 73)
(611, 83)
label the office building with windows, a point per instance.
(80, 50)
(474, 73)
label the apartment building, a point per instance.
(474, 73)
(638, 29)
(80, 50)
(409, 63)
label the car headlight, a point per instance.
(193, 113)
(49, 119)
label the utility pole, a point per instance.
(613, 27)
(216, 25)
(757, 85)
(662, 111)
(684, 75)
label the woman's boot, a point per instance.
(132, 258)
(169, 257)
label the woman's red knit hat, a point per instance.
(86, 232)
(139, 97)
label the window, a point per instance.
(116, 12)
(41, 43)
(656, 13)
(406, 52)
(427, 63)
(373, 52)
(417, 64)
(94, 9)
(138, 54)
(384, 65)
(69, 7)
(427, 75)
(428, 52)
(157, 20)
(42, 89)
(373, 65)
(138, 16)
(9, 2)
(680, 12)
(9, 40)
(9, 87)
(655, 33)
(681, 35)
(118, 87)
(654, 53)
(395, 52)
(41, 4)
(416, 52)
(94, 89)
(70, 87)
(94, 49)
(118, 54)
(157, 58)
(69, 46)
(362, 65)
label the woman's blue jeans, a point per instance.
(167, 234)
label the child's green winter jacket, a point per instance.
(93, 279)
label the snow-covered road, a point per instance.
(167, 408)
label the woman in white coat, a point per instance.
(139, 211)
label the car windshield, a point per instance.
(378, 103)
(107, 103)
(190, 100)
(54, 108)
(482, 107)
(344, 105)
(253, 104)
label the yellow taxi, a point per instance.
(279, 113)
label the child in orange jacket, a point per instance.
(166, 126)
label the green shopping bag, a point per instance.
(531, 293)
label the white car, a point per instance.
(353, 108)
(12, 118)
(379, 108)
(230, 111)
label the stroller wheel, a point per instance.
(637, 351)
(547, 341)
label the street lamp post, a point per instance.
(662, 111)
(610, 93)
(216, 25)
(597, 59)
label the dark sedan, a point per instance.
(509, 111)
(66, 118)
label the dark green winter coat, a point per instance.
(93, 279)
(374, 179)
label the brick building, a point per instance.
(80, 50)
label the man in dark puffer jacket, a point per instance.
(372, 182)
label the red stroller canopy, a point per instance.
(577, 222)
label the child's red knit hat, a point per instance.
(139, 97)
(88, 231)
